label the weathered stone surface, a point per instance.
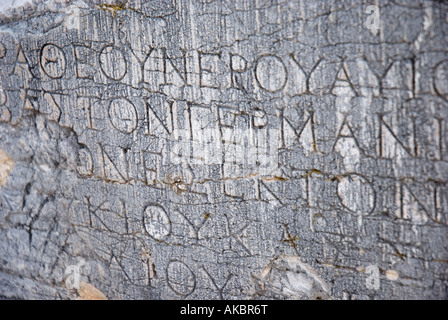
(224, 149)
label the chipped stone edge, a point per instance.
(26, 9)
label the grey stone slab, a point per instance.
(223, 150)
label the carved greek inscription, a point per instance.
(113, 63)
(83, 68)
(88, 105)
(238, 65)
(271, 73)
(390, 146)
(53, 102)
(232, 151)
(123, 115)
(85, 165)
(156, 221)
(53, 61)
(220, 289)
(209, 65)
(357, 194)
(180, 278)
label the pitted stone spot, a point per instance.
(289, 278)
(2, 97)
(6, 166)
(392, 275)
(2, 51)
(87, 291)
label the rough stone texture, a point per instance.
(97, 100)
